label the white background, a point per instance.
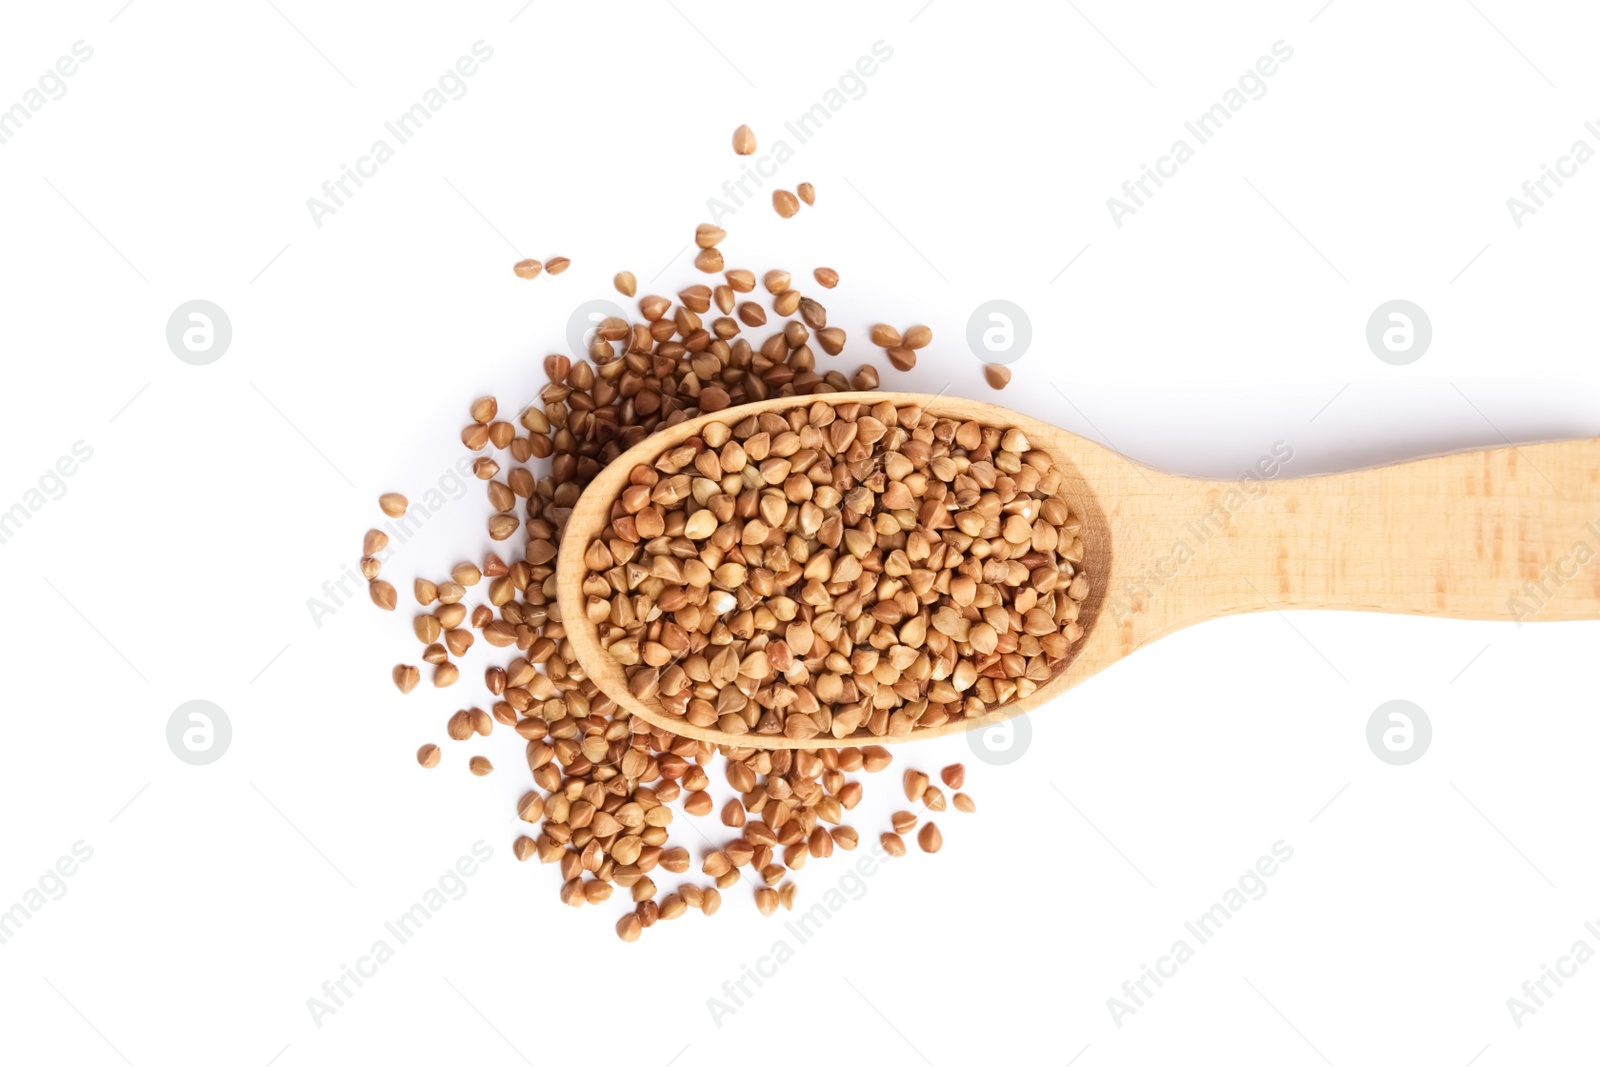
(1227, 314)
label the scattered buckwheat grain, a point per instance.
(861, 571)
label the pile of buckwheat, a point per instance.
(852, 569)
(863, 571)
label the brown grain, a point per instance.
(915, 783)
(405, 677)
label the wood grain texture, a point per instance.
(1504, 533)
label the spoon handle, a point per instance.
(1506, 533)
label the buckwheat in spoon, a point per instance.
(818, 572)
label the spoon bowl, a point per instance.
(1468, 535)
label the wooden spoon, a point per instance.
(1501, 533)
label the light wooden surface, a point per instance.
(1502, 533)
